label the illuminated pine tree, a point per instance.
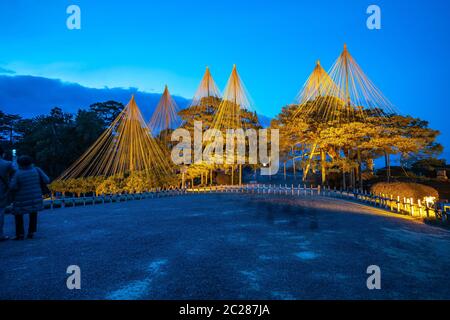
(235, 112)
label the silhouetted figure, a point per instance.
(6, 171)
(26, 184)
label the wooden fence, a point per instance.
(414, 208)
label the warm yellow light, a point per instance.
(124, 148)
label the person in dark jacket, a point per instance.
(26, 185)
(6, 171)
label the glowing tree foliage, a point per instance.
(165, 116)
(202, 108)
(344, 100)
(125, 148)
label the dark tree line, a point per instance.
(56, 140)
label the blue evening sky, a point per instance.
(146, 44)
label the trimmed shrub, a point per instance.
(405, 190)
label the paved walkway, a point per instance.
(226, 246)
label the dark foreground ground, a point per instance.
(226, 247)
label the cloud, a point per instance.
(30, 96)
(6, 71)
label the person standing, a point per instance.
(6, 171)
(26, 185)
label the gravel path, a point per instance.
(227, 246)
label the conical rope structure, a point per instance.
(125, 147)
(235, 100)
(206, 89)
(317, 85)
(165, 115)
(204, 104)
(345, 95)
(231, 114)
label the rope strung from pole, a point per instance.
(316, 85)
(235, 100)
(206, 89)
(125, 147)
(345, 94)
(165, 115)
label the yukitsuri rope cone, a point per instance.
(124, 148)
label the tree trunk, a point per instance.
(240, 174)
(352, 171)
(370, 165)
(388, 166)
(323, 157)
(360, 177)
(344, 185)
(308, 166)
(232, 175)
(294, 169)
